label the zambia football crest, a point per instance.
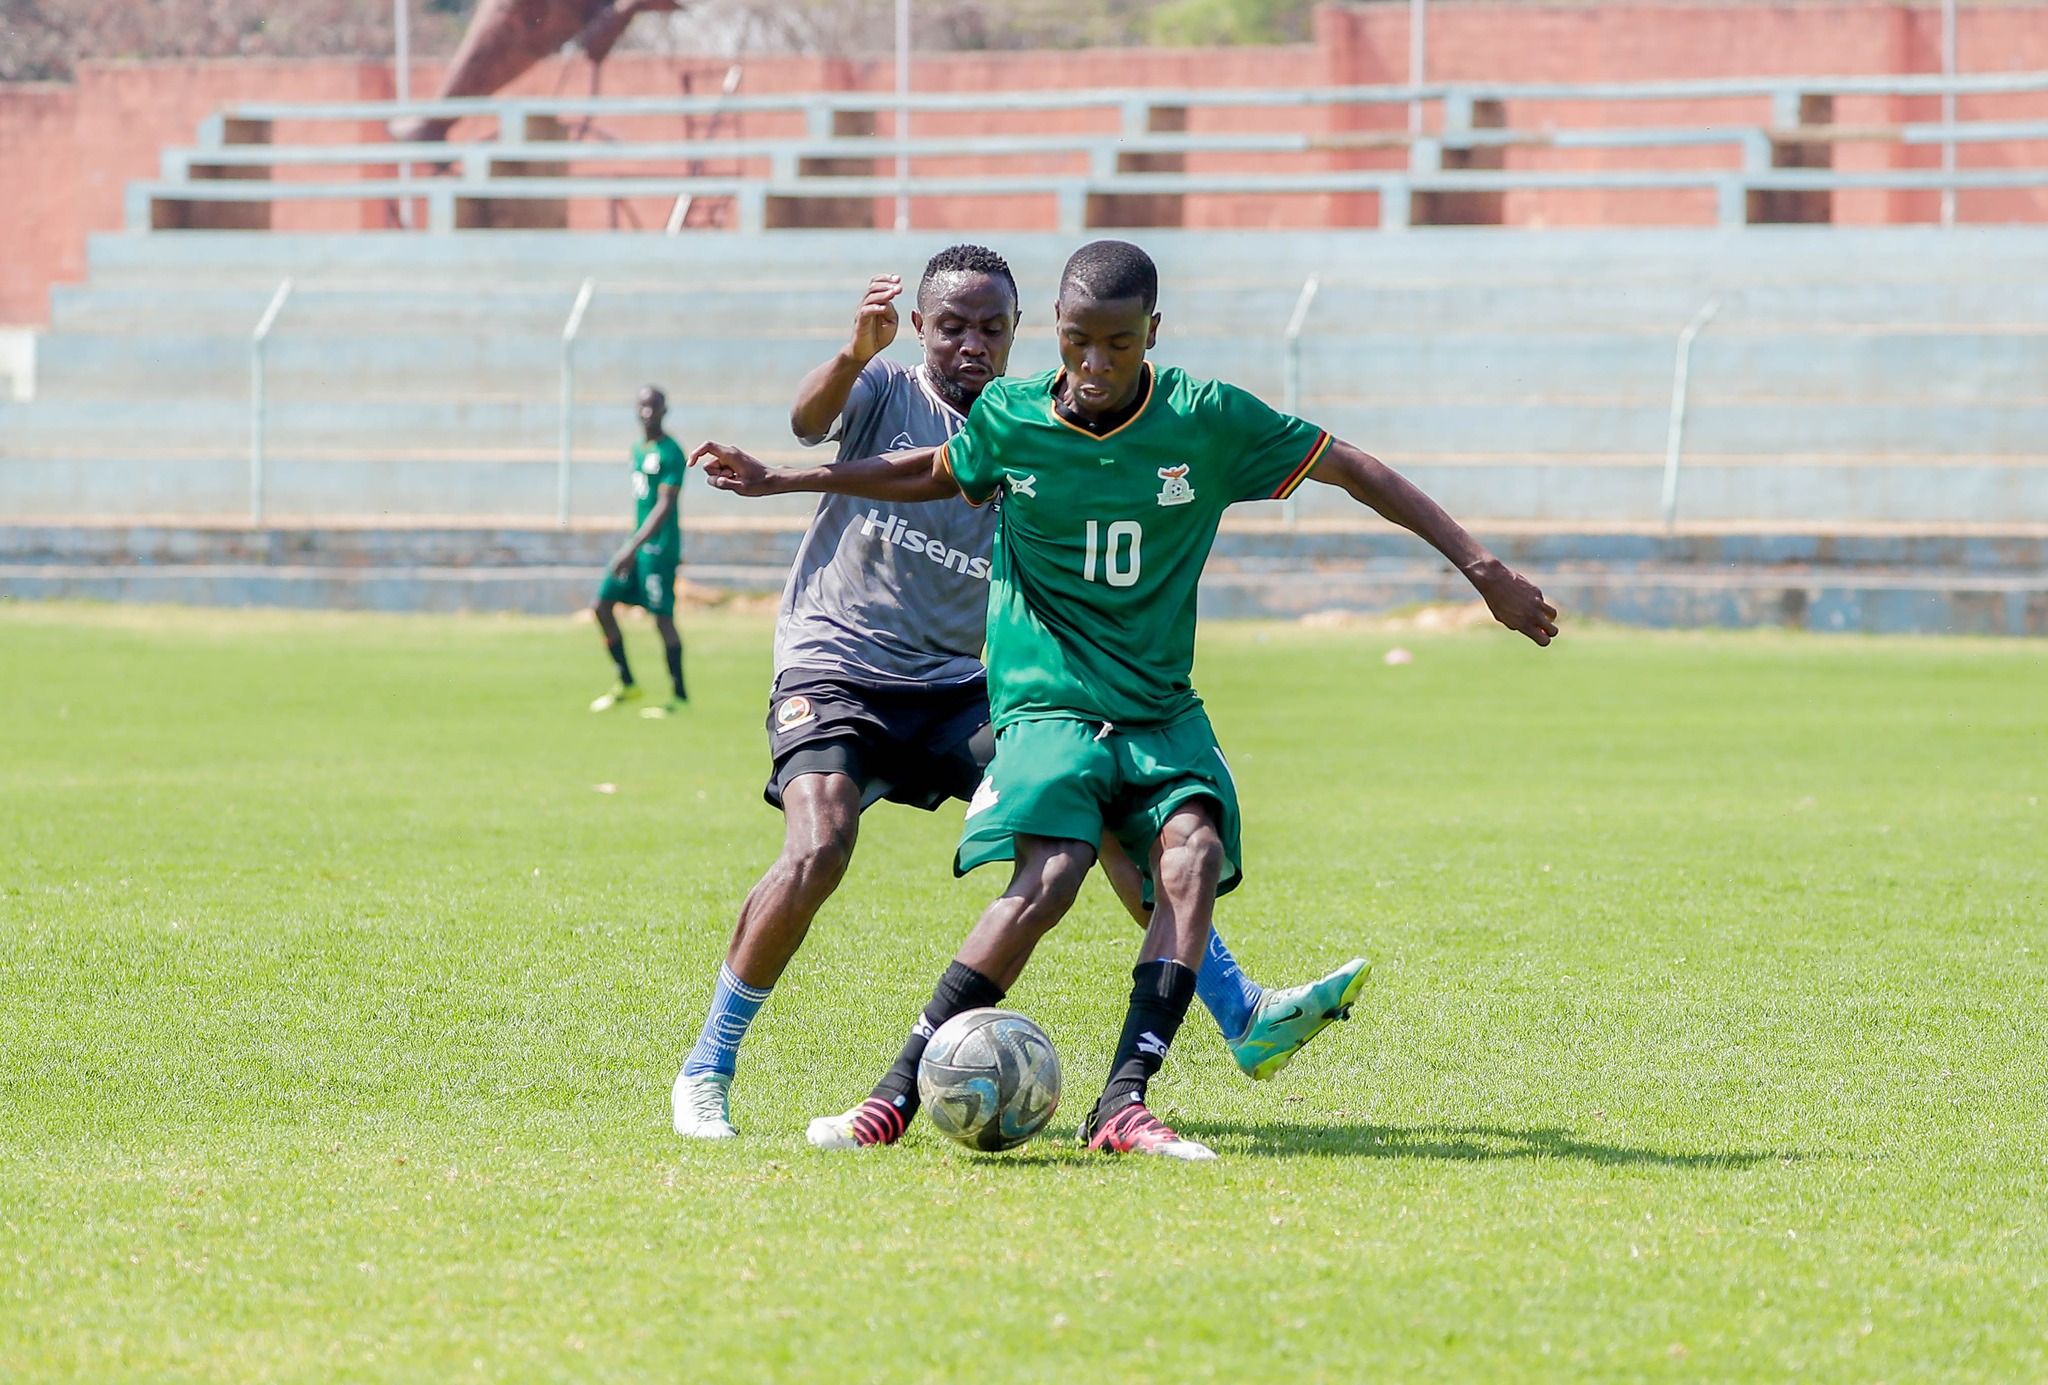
(793, 712)
(1173, 485)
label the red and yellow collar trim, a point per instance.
(1052, 405)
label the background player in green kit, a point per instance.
(643, 572)
(1112, 477)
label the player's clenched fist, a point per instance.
(729, 468)
(875, 322)
(1515, 601)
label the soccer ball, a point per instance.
(990, 1079)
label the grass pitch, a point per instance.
(338, 1013)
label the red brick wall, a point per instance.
(40, 236)
(67, 153)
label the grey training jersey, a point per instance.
(890, 593)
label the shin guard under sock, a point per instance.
(617, 649)
(675, 671)
(1161, 992)
(962, 988)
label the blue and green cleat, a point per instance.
(1286, 1020)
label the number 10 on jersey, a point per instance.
(1120, 552)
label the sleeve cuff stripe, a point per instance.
(1300, 473)
(945, 464)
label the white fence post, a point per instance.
(568, 429)
(1290, 388)
(401, 89)
(1674, 437)
(1948, 108)
(902, 115)
(256, 398)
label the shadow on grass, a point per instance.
(1462, 1144)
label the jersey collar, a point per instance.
(1052, 405)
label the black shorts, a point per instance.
(918, 746)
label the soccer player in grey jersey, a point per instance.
(879, 689)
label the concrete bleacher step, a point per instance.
(1560, 429)
(1260, 308)
(1756, 254)
(1618, 489)
(1894, 376)
(1900, 582)
(1731, 367)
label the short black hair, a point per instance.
(967, 259)
(1108, 270)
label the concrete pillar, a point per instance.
(166, 215)
(1111, 210)
(522, 213)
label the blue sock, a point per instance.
(733, 1007)
(1228, 993)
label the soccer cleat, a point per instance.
(873, 1122)
(666, 709)
(1286, 1020)
(619, 696)
(701, 1109)
(1135, 1130)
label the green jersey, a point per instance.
(658, 464)
(1101, 539)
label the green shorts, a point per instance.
(1059, 777)
(652, 585)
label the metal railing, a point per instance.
(257, 398)
(497, 169)
(1681, 385)
(570, 331)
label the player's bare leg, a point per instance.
(821, 823)
(1043, 885)
(625, 689)
(1187, 863)
(1263, 1026)
(820, 826)
(672, 649)
(1042, 888)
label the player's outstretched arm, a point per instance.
(901, 476)
(821, 396)
(1515, 601)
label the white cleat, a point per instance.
(701, 1106)
(831, 1132)
(873, 1122)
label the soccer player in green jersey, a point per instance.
(643, 572)
(1112, 476)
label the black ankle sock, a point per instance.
(1160, 994)
(961, 988)
(675, 671)
(617, 649)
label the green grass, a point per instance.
(1708, 1038)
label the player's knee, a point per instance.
(1198, 856)
(1052, 885)
(820, 859)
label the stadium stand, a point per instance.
(1856, 443)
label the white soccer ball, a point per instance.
(990, 1079)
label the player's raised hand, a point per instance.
(875, 322)
(1515, 601)
(728, 468)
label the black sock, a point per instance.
(1160, 994)
(961, 988)
(675, 670)
(617, 649)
